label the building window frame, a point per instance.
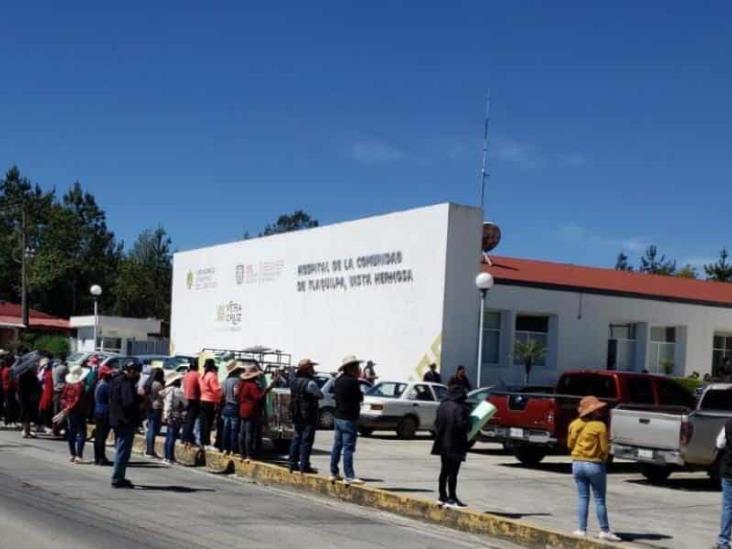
(526, 334)
(661, 348)
(721, 349)
(492, 320)
(623, 346)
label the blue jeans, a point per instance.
(76, 434)
(171, 435)
(249, 438)
(154, 422)
(724, 532)
(301, 446)
(589, 475)
(230, 437)
(344, 439)
(124, 434)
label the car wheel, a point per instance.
(407, 428)
(656, 474)
(365, 431)
(528, 455)
(326, 419)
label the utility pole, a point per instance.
(484, 164)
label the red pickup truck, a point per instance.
(533, 425)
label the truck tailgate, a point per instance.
(527, 411)
(646, 429)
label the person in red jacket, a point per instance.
(251, 403)
(11, 401)
(210, 398)
(45, 404)
(192, 396)
(73, 410)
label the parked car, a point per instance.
(104, 357)
(532, 425)
(406, 407)
(326, 407)
(678, 434)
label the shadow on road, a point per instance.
(516, 515)
(399, 489)
(566, 467)
(628, 536)
(177, 489)
(146, 465)
(682, 484)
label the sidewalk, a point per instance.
(684, 514)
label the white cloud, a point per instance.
(374, 151)
(579, 236)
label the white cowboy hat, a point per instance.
(350, 359)
(251, 371)
(172, 377)
(76, 373)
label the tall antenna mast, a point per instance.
(484, 166)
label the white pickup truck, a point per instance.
(664, 439)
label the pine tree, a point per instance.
(721, 271)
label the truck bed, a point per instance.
(647, 429)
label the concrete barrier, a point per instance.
(466, 520)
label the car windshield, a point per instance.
(387, 390)
(716, 399)
(321, 381)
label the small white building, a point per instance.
(113, 332)
(399, 289)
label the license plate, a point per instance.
(645, 454)
(516, 433)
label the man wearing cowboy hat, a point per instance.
(124, 417)
(304, 396)
(230, 412)
(348, 397)
(173, 410)
(73, 409)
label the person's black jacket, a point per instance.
(452, 425)
(432, 377)
(348, 397)
(124, 403)
(463, 382)
(303, 404)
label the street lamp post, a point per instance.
(484, 282)
(95, 291)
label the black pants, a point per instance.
(11, 408)
(208, 411)
(100, 438)
(192, 412)
(249, 438)
(448, 477)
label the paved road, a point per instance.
(683, 514)
(47, 502)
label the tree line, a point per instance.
(653, 262)
(66, 246)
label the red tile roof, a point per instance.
(563, 276)
(10, 315)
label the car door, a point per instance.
(424, 404)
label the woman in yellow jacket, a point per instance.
(589, 444)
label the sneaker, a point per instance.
(72, 459)
(210, 448)
(335, 478)
(124, 483)
(608, 536)
(580, 533)
(355, 481)
(454, 504)
(309, 471)
(167, 462)
(441, 502)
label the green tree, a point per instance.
(622, 264)
(143, 284)
(721, 271)
(293, 222)
(688, 271)
(653, 263)
(529, 352)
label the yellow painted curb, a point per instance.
(466, 520)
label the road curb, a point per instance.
(466, 520)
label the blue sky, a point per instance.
(610, 127)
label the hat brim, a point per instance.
(593, 408)
(351, 363)
(303, 367)
(76, 378)
(169, 382)
(252, 375)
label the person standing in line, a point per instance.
(590, 446)
(210, 397)
(124, 417)
(173, 411)
(192, 396)
(724, 445)
(3, 359)
(101, 416)
(452, 425)
(369, 372)
(45, 404)
(230, 410)
(154, 409)
(28, 396)
(348, 398)
(304, 397)
(461, 378)
(59, 380)
(9, 390)
(432, 375)
(73, 410)
(251, 404)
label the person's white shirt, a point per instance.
(721, 440)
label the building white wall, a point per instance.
(126, 329)
(580, 325)
(255, 292)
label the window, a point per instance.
(717, 399)
(662, 350)
(387, 390)
(532, 328)
(364, 386)
(671, 393)
(420, 392)
(722, 351)
(640, 390)
(440, 392)
(621, 347)
(491, 337)
(601, 386)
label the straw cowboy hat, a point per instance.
(234, 365)
(172, 377)
(251, 371)
(76, 373)
(590, 404)
(350, 359)
(305, 364)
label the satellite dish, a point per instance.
(491, 236)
